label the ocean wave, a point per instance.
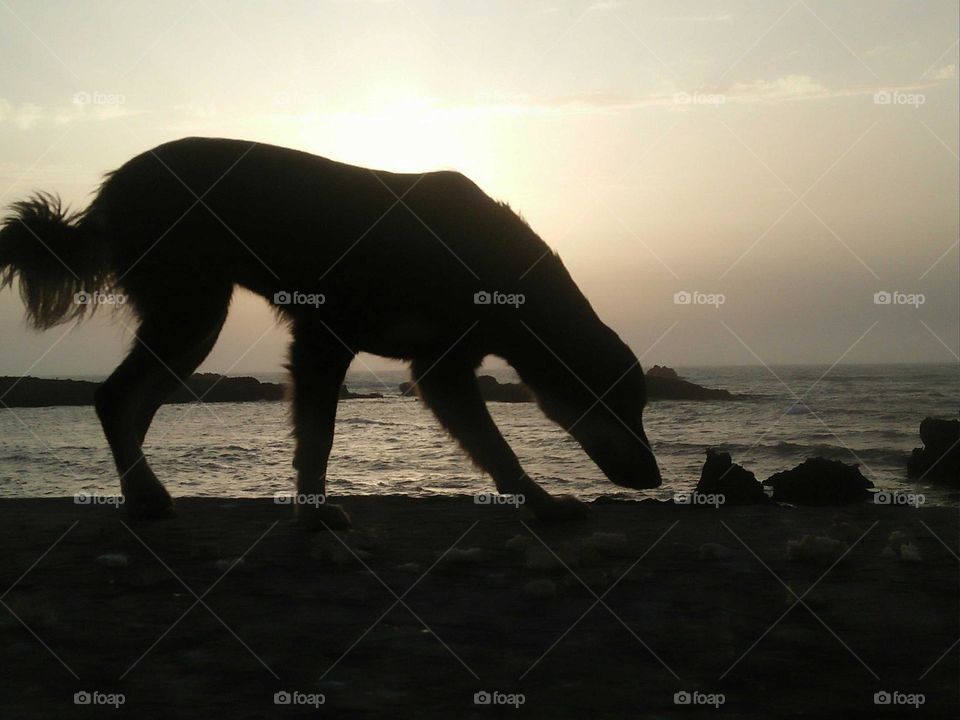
(783, 448)
(18, 457)
(364, 421)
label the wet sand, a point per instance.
(484, 606)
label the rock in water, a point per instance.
(817, 481)
(720, 476)
(939, 458)
(663, 371)
(491, 389)
(663, 383)
(347, 394)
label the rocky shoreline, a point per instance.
(207, 387)
(662, 384)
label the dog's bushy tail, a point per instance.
(56, 256)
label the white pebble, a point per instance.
(470, 556)
(910, 553)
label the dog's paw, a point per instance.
(322, 517)
(148, 502)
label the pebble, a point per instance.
(714, 551)
(540, 589)
(468, 556)
(607, 543)
(113, 559)
(815, 548)
(539, 558)
(910, 553)
(519, 542)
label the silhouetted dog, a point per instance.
(425, 268)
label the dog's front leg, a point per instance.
(449, 387)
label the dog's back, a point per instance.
(392, 250)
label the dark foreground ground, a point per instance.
(394, 623)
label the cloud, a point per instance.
(789, 87)
(23, 116)
(606, 5)
(721, 18)
(947, 72)
(84, 106)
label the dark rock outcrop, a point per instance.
(662, 371)
(818, 481)
(491, 389)
(939, 458)
(38, 392)
(347, 394)
(211, 387)
(674, 388)
(663, 385)
(216, 388)
(494, 390)
(721, 476)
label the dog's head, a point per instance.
(601, 403)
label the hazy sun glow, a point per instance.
(657, 146)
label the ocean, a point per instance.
(866, 414)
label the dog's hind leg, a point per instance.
(171, 342)
(180, 367)
(449, 387)
(318, 363)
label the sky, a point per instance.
(776, 163)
